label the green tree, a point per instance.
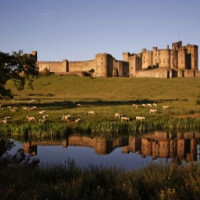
(18, 67)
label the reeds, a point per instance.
(70, 182)
(56, 130)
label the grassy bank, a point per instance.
(70, 182)
(104, 128)
(76, 96)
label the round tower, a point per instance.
(101, 61)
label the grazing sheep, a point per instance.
(154, 104)
(45, 116)
(78, 104)
(90, 112)
(24, 108)
(4, 121)
(151, 111)
(31, 119)
(165, 107)
(140, 118)
(13, 110)
(42, 112)
(124, 119)
(149, 105)
(7, 117)
(77, 120)
(144, 105)
(135, 105)
(33, 107)
(44, 119)
(66, 118)
(117, 115)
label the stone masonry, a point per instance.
(179, 61)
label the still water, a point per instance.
(127, 152)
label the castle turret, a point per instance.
(104, 64)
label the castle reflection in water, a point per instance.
(181, 146)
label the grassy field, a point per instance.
(60, 95)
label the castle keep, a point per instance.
(179, 61)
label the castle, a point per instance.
(179, 61)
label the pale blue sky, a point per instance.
(78, 29)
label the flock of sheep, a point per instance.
(69, 119)
(140, 118)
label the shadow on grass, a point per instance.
(59, 105)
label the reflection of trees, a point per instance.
(18, 158)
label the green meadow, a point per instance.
(76, 96)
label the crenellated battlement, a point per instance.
(179, 60)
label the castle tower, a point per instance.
(147, 58)
(182, 58)
(104, 65)
(192, 57)
(164, 58)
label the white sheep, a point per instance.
(31, 119)
(149, 105)
(4, 121)
(152, 111)
(77, 120)
(42, 112)
(140, 118)
(117, 115)
(66, 118)
(135, 105)
(154, 104)
(124, 119)
(90, 112)
(165, 107)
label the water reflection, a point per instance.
(182, 146)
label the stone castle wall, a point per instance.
(79, 66)
(179, 61)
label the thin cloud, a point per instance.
(46, 14)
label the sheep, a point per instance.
(4, 121)
(77, 120)
(31, 119)
(13, 110)
(144, 105)
(140, 118)
(66, 118)
(165, 107)
(124, 119)
(154, 104)
(7, 117)
(42, 112)
(135, 105)
(151, 111)
(33, 107)
(117, 115)
(45, 116)
(90, 112)
(44, 119)
(149, 105)
(78, 104)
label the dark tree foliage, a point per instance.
(18, 67)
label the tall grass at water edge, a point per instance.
(70, 182)
(56, 130)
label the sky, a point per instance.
(79, 29)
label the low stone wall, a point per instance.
(153, 73)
